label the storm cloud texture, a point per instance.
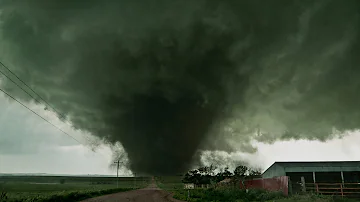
(168, 79)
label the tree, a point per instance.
(227, 173)
(202, 175)
(223, 175)
(207, 170)
(193, 176)
(240, 171)
(187, 178)
(254, 172)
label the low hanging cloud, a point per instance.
(168, 79)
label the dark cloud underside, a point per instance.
(170, 78)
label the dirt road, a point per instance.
(149, 194)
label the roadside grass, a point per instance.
(314, 198)
(70, 196)
(72, 191)
(226, 195)
(236, 195)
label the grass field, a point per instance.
(169, 182)
(42, 188)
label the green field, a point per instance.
(169, 182)
(49, 189)
(37, 188)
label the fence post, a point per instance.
(317, 188)
(342, 178)
(290, 186)
(314, 178)
(303, 186)
(341, 189)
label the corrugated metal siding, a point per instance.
(270, 184)
(274, 171)
(321, 169)
(281, 168)
(320, 164)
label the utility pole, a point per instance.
(117, 173)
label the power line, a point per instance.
(27, 91)
(35, 100)
(12, 97)
(19, 86)
(39, 115)
(21, 89)
(29, 88)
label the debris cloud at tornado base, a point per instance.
(169, 79)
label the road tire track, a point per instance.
(150, 194)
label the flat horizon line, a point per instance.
(58, 174)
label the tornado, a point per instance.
(168, 79)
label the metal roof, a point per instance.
(318, 163)
(293, 164)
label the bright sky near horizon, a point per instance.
(30, 145)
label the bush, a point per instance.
(237, 195)
(3, 196)
(227, 195)
(315, 198)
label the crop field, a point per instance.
(28, 188)
(170, 182)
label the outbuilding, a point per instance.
(316, 172)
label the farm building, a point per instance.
(329, 171)
(315, 172)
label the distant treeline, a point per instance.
(208, 174)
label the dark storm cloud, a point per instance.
(169, 78)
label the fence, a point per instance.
(269, 184)
(203, 186)
(337, 189)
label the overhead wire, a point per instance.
(1, 72)
(29, 88)
(32, 98)
(72, 137)
(12, 97)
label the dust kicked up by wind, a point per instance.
(168, 79)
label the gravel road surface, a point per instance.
(149, 194)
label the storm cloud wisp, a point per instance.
(167, 79)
